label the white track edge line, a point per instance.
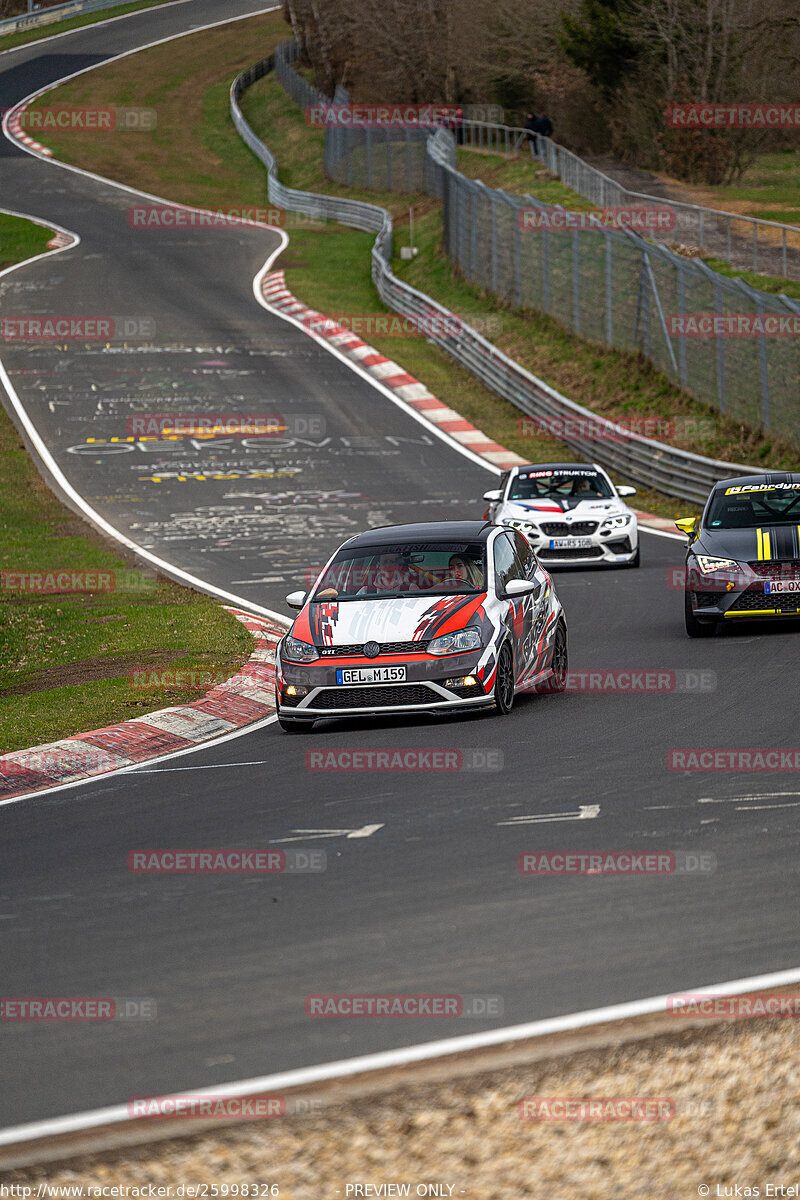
(129, 768)
(387, 1059)
(52, 37)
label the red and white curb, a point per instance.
(246, 697)
(15, 128)
(406, 387)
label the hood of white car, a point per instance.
(410, 618)
(568, 509)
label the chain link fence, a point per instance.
(640, 459)
(748, 243)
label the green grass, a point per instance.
(770, 182)
(21, 239)
(24, 36)
(764, 283)
(65, 659)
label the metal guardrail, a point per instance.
(643, 460)
(58, 12)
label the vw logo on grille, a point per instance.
(372, 649)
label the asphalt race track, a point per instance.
(431, 901)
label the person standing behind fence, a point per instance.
(532, 126)
(544, 126)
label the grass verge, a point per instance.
(21, 239)
(67, 658)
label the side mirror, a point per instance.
(493, 497)
(296, 599)
(626, 491)
(520, 587)
(688, 525)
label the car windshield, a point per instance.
(567, 483)
(424, 568)
(749, 505)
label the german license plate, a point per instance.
(570, 543)
(782, 585)
(371, 675)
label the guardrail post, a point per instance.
(368, 146)
(755, 246)
(493, 201)
(409, 168)
(784, 253)
(389, 147)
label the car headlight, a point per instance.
(456, 643)
(616, 522)
(523, 526)
(293, 650)
(707, 564)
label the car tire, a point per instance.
(697, 627)
(560, 660)
(635, 560)
(504, 683)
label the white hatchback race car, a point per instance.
(571, 514)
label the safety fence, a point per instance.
(640, 459)
(749, 243)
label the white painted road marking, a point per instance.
(742, 806)
(584, 813)
(305, 834)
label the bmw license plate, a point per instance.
(570, 543)
(782, 585)
(371, 675)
